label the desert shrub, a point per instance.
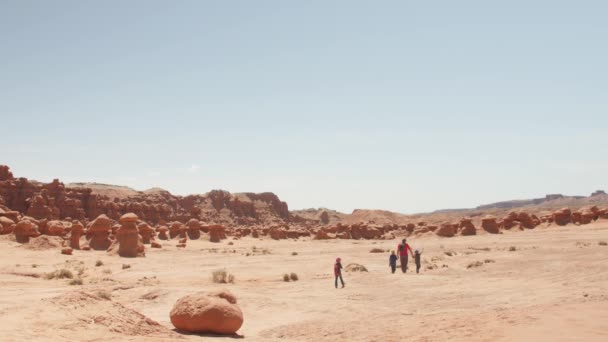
(76, 281)
(377, 250)
(107, 271)
(222, 277)
(286, 277)
(355, 268)
(98, 263)
(230, 243)
(60, 274)
(34, 265)
(512, 249)
(125, 266)
(293, 276)
(104, 294)
(450, 253)
(602, 243)
(488, 261)
(475, 264)
(294, 253)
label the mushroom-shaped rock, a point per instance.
(177, 229)
(217, 233)
(100, 232)
(146, 232)
(162, 233)
(490, 225)
(202, 312)
(467, 227)
(194, 229)
(24, 230)
(76, 233)
(129, 241)
(6, 225)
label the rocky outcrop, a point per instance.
(98, 233)
(562, 217)
(75, 234)
(217, 233)
(24, 230)
(6, 225)
(446, 229)
(215, 312)
(489, 224)
(467, 227)
(130, 244)
(146, 232)
(194, 229)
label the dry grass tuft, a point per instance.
(59, 274)
(98, 263)
(355, 268)
(603, 243)
(475, 264)
(512, 249)
(76, 281)
(293, 276)
(104, 294)
(377, 250)
(125, 266)
(286, 277)
(222, 277)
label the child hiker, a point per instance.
(392, 261)
(338, 272)
(417, 254)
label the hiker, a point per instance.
(417, 255)
(338, 272)
(392, 261)
(403, 248)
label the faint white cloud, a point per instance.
(154, 174)
(193, 169)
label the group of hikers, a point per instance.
(403, 249)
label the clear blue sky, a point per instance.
(407, 106)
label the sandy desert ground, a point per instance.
(553, 286)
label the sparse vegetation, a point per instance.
(355, 268)
(294, 253)
(230, 243)
(488, 261)
(98, 263)
(125, 266)
(286, 277)
(603, 243)
(377, 250)
(59, 274)
(107, 271)
(475, 264)
(449, 253)
(104, 294)
(512, 249)
(76, 281)
(34, 265)
(222, 277)
(293, 277)
(485, 249)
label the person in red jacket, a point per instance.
(403, 248)
(338, 272)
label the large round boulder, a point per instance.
(203, 312)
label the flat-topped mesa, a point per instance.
(24, 230)
(99, 233)
(146, 232)
(194, 229)
(130, 244)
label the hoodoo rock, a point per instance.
(562, 217)
(162, 233)
(177, 229)
(75, 234)
(146, 232)
(194, 229)
(129, 241)
(217, 233)
(490, 225)
(56, 228)
(99, 232)
(216, 313)
(446, 229)
(24, 230)
(467, 227)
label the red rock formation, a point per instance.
(217, 233)
(57, 228)
(562, 217)
(146, 232)
(67, 251)
(467, 227)
(24, 230)
(6, 225)
(75, 234)
(194, 229)
(130, 244)
(162, 233)
(215, 312)
(99, 232)
(446, 229)
(490, 225)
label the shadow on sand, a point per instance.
(235, 336)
